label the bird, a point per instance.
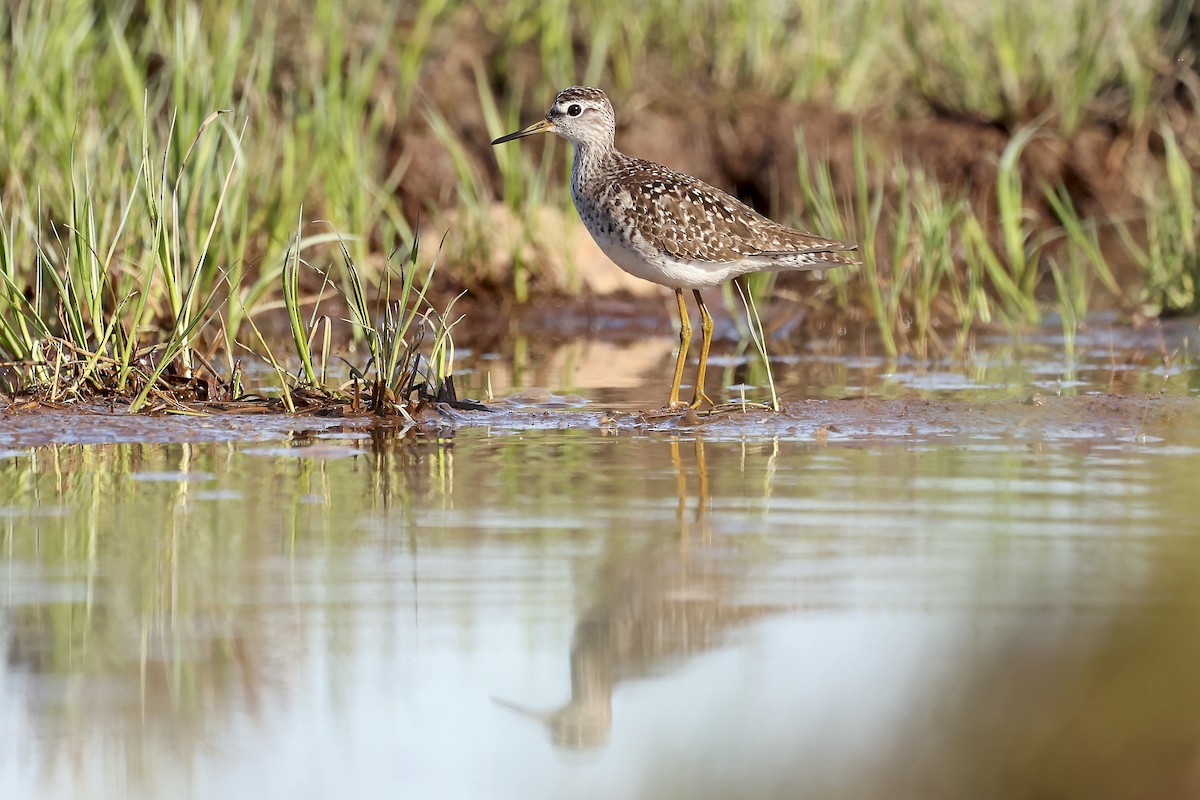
(669, 227)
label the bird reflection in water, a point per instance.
(659, 605)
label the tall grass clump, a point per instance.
(81, 81)
(93, 317)
(1169, 253)
(803, 49)
(394, 321)
(152, 157)
(914, 281)
(1011, 62)
(394, 326)
(937, 265)
(124, 303)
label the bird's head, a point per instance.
(580, 114)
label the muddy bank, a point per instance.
(1089, 419)
(863, 421)
(747, 140)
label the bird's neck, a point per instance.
(590, 159)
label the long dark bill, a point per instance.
(541, 126)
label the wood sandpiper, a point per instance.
(668, 227)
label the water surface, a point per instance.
(680, 613)
(633, 371)
(929, 577)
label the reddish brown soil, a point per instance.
(746, 142)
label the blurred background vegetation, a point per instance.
(997, 161)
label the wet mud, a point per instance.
(848, 421)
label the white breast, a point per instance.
(626, 248)
(644, 263)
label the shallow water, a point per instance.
(337, 614)
(856, 598)
(634, 371)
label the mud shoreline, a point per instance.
(1086, 419)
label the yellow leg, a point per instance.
(685, 340)
(706, 328)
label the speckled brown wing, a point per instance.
(692, 220)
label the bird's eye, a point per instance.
(574, 110)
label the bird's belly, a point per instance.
(645, 263)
